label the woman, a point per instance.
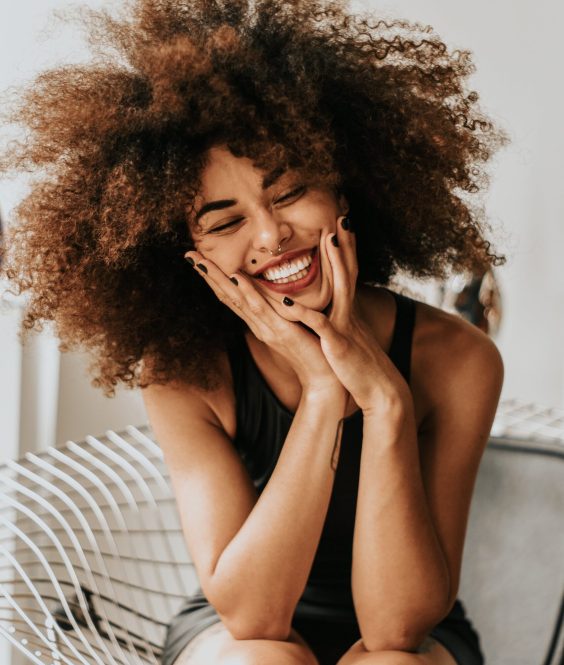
(226, 194)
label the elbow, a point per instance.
(250, 614)
(253, 620)
(399, 639)
(406, 634)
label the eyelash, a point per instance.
(294, 192)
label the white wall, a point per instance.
(57, 402)
(517, 50)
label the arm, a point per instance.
(414, 493)
(252, 554)
(414, 496)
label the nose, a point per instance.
(269, 232)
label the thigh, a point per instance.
(215, 644)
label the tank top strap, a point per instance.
(400, 349)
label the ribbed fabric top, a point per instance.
(262, 426)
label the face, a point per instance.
(241, 213)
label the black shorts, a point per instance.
(329, 632)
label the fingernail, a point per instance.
(335, 240)
(202, 267)
(234, 280)
(346, 223)
(288, 301)
(190, 260)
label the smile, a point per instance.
(292, 276)
(290, 271)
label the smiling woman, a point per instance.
(241, 214)
(222, 199)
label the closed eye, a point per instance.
(294, 193)
(226, 226)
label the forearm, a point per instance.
(262, 572)
(400, 578)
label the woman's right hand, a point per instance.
(299, 347)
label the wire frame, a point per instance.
(523, 420)
(93, 563)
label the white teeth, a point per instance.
(291, 278)
(288, 269)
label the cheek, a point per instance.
(206, 247)
(225, 257)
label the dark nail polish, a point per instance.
(288, 301)
(234, 280)
(335, 241)
(190, 261)
(202, 267)
(346, 223)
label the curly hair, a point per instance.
(379, 109)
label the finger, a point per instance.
(347, 240)
(223, 287)
(242, 297)
(343, 281)
(318, 323)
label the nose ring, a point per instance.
(278, 250)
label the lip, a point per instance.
(298, 285)
(287, 256)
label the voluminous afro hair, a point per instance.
(378, 109)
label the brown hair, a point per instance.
(380, 109)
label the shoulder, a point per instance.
(448, 344)
(454, 364)
(446, 349)
(178, 398)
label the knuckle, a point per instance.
(268, 339)
(256, 307)
(284, 336)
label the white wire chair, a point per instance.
(93, 559)
(93, 563)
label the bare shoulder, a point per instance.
(453, 362)
(216, 406)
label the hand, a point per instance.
(349, 346)
(275, 325)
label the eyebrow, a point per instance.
(268, 180)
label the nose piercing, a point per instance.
(278, 250)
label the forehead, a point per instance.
(224, 172)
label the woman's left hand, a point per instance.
(349, 345)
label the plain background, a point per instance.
(45, 398)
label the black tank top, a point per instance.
(262, 426)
